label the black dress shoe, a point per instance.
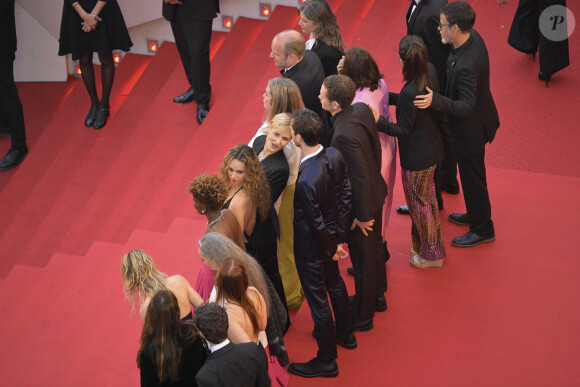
(13, 158)
(350, 271)
(202, 112)
(101, 118)
(459, 219)
(403, 210)
(91, 115)
(381, 304)
(314, 368)
(363, 326)
(472, 239)
(452, 189)
(347, 342)
(186, 97)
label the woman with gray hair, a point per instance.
(214, 248)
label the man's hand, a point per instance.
(375, 113)
(340, 67)
(172, 1)
(364, 226)
(424, 101)
(340, 253)
(502, 2)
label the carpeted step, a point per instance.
(103, 161)
(58, 173)
(14, 288)
(235, 116)
(349, 15)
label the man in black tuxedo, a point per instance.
(303, 67)
(191, 22)
(10, 105)
(472, 116)
(356, 137)
(229, 364)
(322, 203)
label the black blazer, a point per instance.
(309, 75)
(424, 23)
(329, 57)
(194, 10)
(243, 364)
(467, 99)
(356, 137)
(322, 204)
(275, 167)
(418, 131)
(7, 29)
(192, 359)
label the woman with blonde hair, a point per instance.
(318, 21)
(214, 248)
(283, 96)
(142, 279)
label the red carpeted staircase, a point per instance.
(499, 314)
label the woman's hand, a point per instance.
(340, 67)
(90, 22)
(424, 101)
(375, 113)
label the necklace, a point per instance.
(210, 224)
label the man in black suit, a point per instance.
(356, 137)
(229, 364)
(472, 116)
(303, 67)
(10, 105)
(191, 22)
(322, 203)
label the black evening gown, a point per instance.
(111, 32)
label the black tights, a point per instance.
(107, 77)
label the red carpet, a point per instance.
(499, 314)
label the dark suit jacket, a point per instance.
(309, 75)
(7, 29)
(191, 10)
(424, 23)
(356, 137)
(420, 139)
(322, 203)
(275, 167)
(329, 57)
(243, 364)
(467, 99)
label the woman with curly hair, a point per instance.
(249, 199)
(318, 21)
(171, 351)
(142, 279)
(209, 194)
(282, 95)
(371, 89)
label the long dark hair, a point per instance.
(320, 13)
(164, 335)
(413, 53)
(361, 67)
(231, 282)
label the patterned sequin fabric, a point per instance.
(426, 232)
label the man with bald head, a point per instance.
(303, 67)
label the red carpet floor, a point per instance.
(500, 314)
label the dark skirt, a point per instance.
(111, 32)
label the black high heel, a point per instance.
(90, 120)
(544, 77)
(101, 118)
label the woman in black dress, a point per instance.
(171, 352)
(94, 26)
(318, 20)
